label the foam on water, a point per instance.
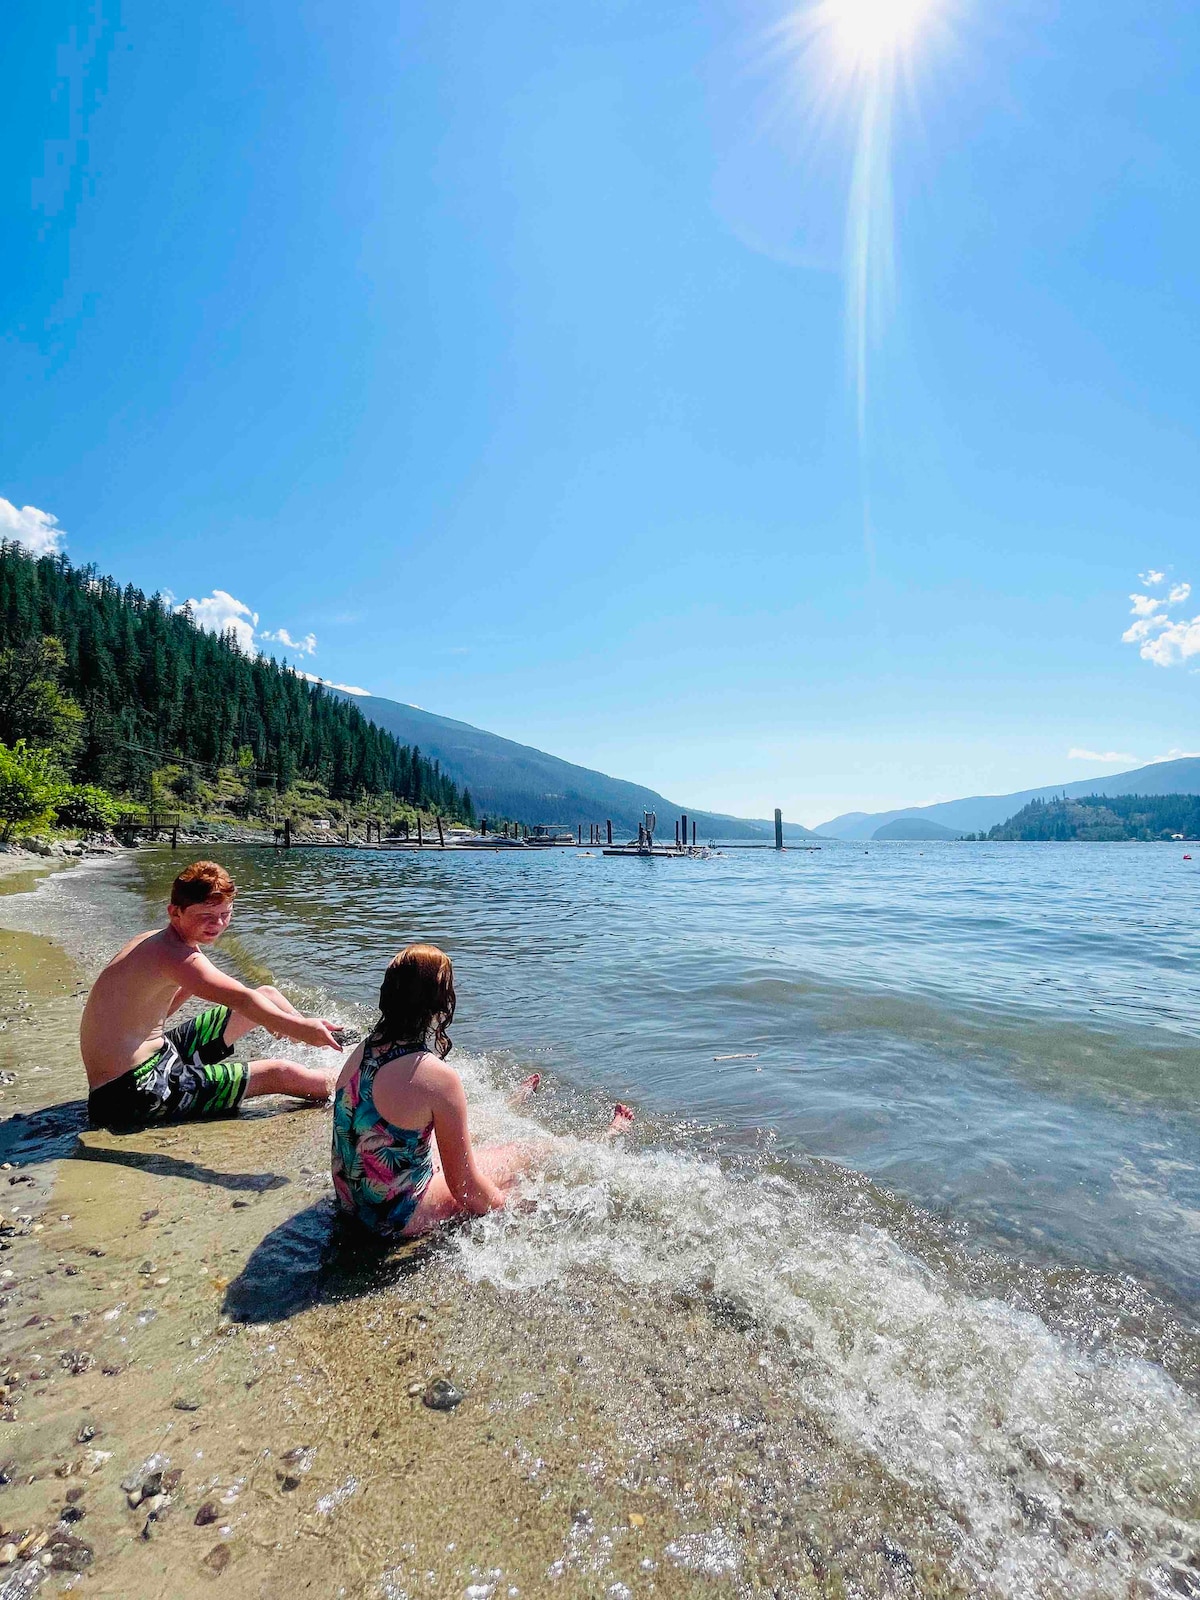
(1069, 1471)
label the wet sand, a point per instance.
(171, 1302)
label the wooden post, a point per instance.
(579, 833)
(287, 833)
(608, 825)
(685, 830)
(441, 835)
(778, 829)
(677, 833)
(693, 832)
(420, 837)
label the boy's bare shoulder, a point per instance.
(158, 949)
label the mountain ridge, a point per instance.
(978, 813)
(510, 779)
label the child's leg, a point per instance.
(273, 1076)
(502, 1164)
(238, 1025)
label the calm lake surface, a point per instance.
(1006, 1034)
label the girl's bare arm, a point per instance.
(473, 1191)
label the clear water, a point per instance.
(1007, 1035)
(900, 1300)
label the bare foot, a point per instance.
(526, 1089)
(622, 1121)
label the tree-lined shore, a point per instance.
(113, 701)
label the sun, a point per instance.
(866, 34)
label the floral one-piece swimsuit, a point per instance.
(379, 1171)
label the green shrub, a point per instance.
(86, 807)
(31, 786)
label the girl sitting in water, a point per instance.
(403, 1160)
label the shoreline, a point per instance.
(140, 1335)
(675, 1382)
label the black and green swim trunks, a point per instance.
(189, 1078)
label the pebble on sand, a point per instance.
(217, 1558)
(441, 1395)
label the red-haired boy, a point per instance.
(139, 1071)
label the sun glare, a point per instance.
(868, 33)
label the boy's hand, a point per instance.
(317, 1032)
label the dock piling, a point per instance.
(608, 826)
(441, 835)
(778, 829)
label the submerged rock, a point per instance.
(207, 1515)
(217, 1558)
(441, 1395)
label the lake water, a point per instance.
(905, 1248)
(1009, 1035)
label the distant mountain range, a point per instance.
(951, 818)
(514, 780)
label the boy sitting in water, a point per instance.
(138, 1070)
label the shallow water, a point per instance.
(901, 1305)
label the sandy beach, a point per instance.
(166, 1311)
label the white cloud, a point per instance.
(37, 530)
(1151, 577)
(346, 688)
(220, 613)
(1099, 755)
(303, 647)
(1160, 638)
(1175, 755)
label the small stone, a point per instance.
(415, 1389)
(187, 1403)
(68, 1553)
(207, 1514)
(152, 1484)
(95, 1252)
(217, 1559)
(636, 1519)
(75, 1494)
(78, 1361)
(86, 1434)
(240, 1205)
(71, 1271)
(163, 1281)
(31, 1543)
(8, 1471)
(171, 1480)
(110, 1371)
(67, 1469)
(8, 1554)
(149, 1216)
(289, 1483)
(134, 1498)
(70, 1514)
(441, 1395)
(148, 1267)
(152, 1502)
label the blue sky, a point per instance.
(500, 353)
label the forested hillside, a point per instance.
(1105, 817)
(121, 685)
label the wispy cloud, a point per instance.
(1174, 755)
(221, 612)
(1165, 640)
(306, 646)
(346, 688)
(1099, 755)
(38, 531)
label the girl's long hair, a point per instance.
(416, 999)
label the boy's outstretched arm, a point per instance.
(200, 977)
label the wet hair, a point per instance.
(202, 881)
(416, 998)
